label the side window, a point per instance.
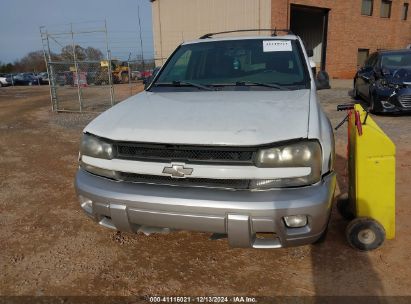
(404, 14)
(385, 9)
(367, 7)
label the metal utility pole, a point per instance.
(76, 67)
(129, 74)
(161, 32)
(141, 38)
(110, 78)
(50, 73)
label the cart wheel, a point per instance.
(365, 234)
(343, 207)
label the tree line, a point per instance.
(34, 61)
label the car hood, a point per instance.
(242, 118)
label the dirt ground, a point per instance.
(49, 247)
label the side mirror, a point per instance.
(323, 81)
(313, 66)
(310, 53)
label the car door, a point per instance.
(365, 75)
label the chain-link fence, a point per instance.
(83, 78)
(79, 86)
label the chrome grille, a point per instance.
(237, 184)
(187, 154)
(405, 101)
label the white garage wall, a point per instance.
(175, 21)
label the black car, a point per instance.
(24, 79)
(385, 82)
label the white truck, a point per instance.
(227, 138)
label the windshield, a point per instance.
(234, 62)
(396, 61)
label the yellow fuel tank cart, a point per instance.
(371, 171)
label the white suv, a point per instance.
(227, 138)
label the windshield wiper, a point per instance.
(262, 84)
(177, 83)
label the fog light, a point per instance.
(387, 104)
(295, 221)
(86, 204)
(99, 171)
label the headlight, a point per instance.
(302, 154)
(95, 147)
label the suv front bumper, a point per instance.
(242, 215)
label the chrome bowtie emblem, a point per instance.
(177, 171)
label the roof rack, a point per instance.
(272, 30)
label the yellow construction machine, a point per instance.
(119, 72)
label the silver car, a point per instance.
(227, 138)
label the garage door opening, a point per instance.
(311, 23)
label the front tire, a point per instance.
(365, 234)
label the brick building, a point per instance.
(341, 32)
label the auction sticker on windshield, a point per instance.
(277, 46)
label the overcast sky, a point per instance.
(20, 21)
